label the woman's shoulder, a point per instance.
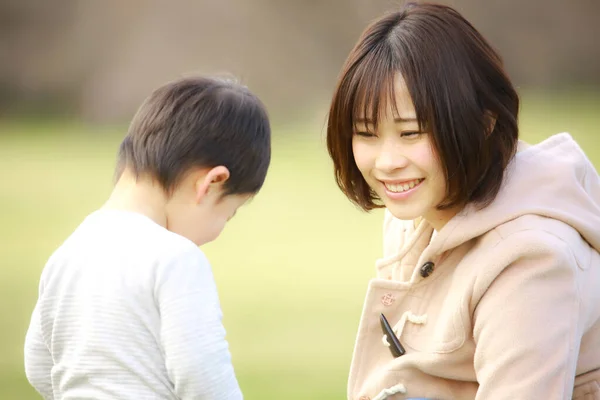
(537, 236)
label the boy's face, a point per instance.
(197, 209)
(213, 217)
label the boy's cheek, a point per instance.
(215, 231)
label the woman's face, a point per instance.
(399, 163)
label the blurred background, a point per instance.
(293, 266)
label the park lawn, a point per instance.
(292, 267)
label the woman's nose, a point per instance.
(390, 158)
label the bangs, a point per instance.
(372, 87)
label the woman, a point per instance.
(489, 285)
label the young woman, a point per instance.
(489, 285)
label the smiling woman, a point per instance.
(487, 289)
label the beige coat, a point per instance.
(511, 308)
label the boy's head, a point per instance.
(206, 142)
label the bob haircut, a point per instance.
(204, 122)
(461, 94)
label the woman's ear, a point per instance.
(211, 182)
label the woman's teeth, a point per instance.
(402, 187)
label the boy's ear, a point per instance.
(211, 182)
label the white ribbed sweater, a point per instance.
(128, 310)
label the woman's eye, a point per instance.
(410, 134)
(364, 134)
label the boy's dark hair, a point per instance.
(458, 86)
(200, 122)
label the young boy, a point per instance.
(128, 308)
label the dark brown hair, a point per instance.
(458, 87)
(200, 122)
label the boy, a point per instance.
(127, 306)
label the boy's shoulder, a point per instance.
(127, 251)
(163, 254)
(143, 236)
(116, 237)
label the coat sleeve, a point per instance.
(526, 321)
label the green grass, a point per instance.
(292, 267)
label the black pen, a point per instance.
(395, 346)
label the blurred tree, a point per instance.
(98, 60)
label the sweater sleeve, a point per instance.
(526, 322)
(192, 335)
(38, 361)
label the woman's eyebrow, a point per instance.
(404, 119)
(396, 119)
